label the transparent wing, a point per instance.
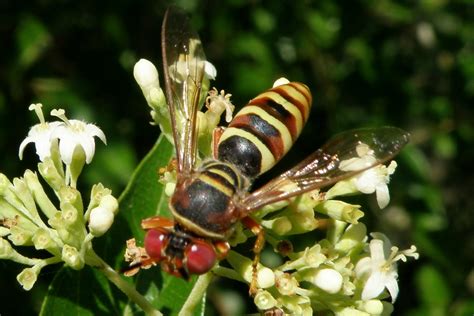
(183, 62)
(343, 156)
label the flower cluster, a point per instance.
(344, 272)
(61, 229)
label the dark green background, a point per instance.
(368, 63)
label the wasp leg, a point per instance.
(222, 248)
(216, 136)
(257, 229)
(157, 221)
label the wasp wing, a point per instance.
(183, 62)
(343, 156)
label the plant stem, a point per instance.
(94, 260)
(196, 294)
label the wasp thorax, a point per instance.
(204, 203)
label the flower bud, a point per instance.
(340, 211)
(349, 311)
(329, 280)
(20, 237)
(97, 194)
(4, 231)
(341, 188)
(4, 183)
(69, 195)
(373, 307)
(100, 220)
(303, 222)
(72, 258)
(169, 189)
(42, 240)
(49, 173)
(27, 278)
(244, 267)
(6, 249)
(146, 74)
(352, 239)
(265, 277)
(286, 284)
(23, 193)
(69, 214)
(264, 300)
(280, 225)
(43, 201)
(110, 202)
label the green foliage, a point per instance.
(368, 63)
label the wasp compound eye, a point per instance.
(155, 241)
(200, 257)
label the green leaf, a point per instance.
(87, 292)
(84, 292)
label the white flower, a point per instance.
(372, 180)
(379, 271)
(75, 133)
(40, 134)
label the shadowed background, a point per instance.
(368, 63)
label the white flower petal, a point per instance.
(77, 133)
(374, 286)
(88, 145)
(210, 70)
(40, 134)
(382, 194)
(66, 148)
(392, 286)
(377, 253)
(363, 266)
(23, 144)
(93, 130)
(367, 181)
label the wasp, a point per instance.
(211, 197)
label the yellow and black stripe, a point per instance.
(264, 130)
(203, 204)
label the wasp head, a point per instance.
(179, 253)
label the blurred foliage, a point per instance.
(376, 62)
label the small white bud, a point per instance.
(100, 220)
(110, 202)
(373, 307)
(145, 74)
(265, 278)
(328, 280)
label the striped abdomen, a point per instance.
(203, 203)
(263, 131)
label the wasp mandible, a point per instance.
(211, 197)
